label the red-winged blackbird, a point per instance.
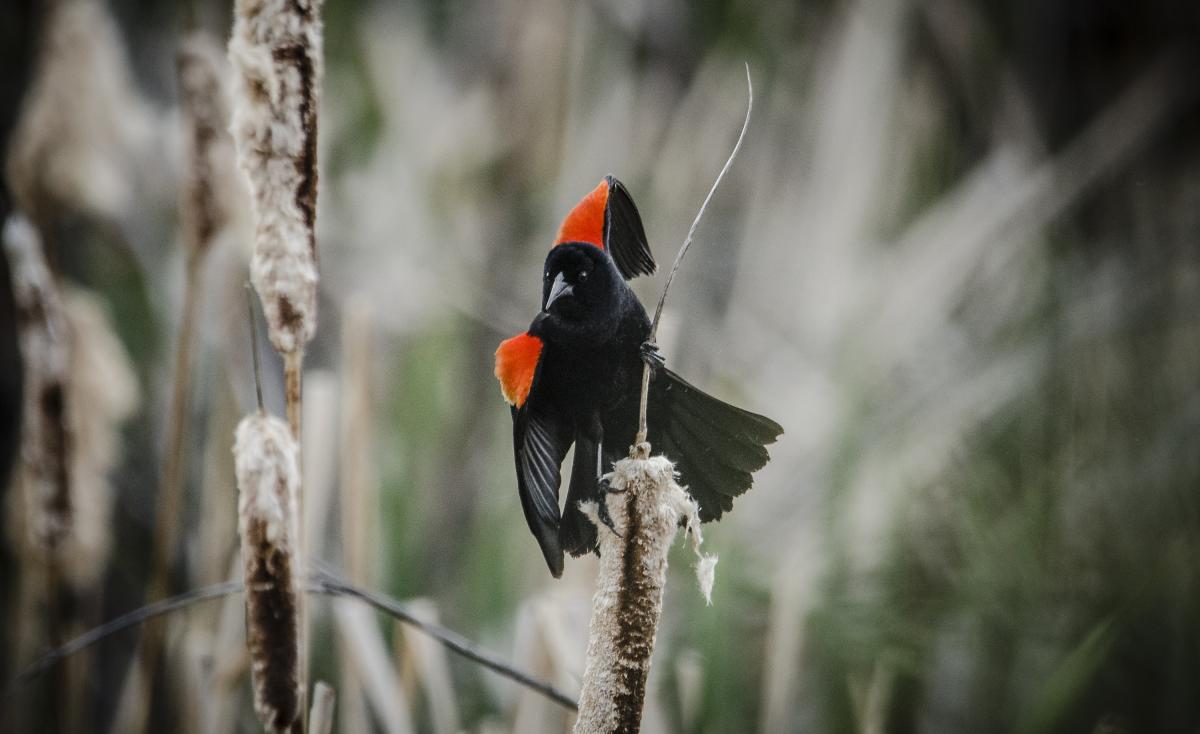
(575, 377)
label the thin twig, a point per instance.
(254, 346)
(687, 242)
(325, 584)
(123, 622)
(319, 583)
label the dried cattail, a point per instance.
(276, 51)
(647, 508)
(44, 470)
(268, 477)
(83, 121)
(204, 208)
(78, 387)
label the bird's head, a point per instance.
(579, 279)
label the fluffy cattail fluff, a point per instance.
(276, 52)
(647, 508)
(83, 123)
(268, 477)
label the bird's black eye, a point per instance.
(583, 275)
(546, 275)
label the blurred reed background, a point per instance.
(958, 259)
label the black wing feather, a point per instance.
(577, 534)
(624, 236)
(540, 443)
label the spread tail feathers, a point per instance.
(716, 447)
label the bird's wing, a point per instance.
(540, 442)
(716, 447)
(624, 236)
(541, 438)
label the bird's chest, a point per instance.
(584, 381)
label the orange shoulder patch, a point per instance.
(516, 361)
(585, 223)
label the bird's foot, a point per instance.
(651, 355)
(602, 507)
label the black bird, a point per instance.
(575, 378)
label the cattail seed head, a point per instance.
(42, 334)
(83, 124)
(276, 53)
(209, 149)
(647, 508)
(268, 475)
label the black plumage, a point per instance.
(586, 386)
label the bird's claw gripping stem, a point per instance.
(651, 356)
(602, 507)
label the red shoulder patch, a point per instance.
(585, 223)
(516, 361)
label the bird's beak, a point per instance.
(558, 290)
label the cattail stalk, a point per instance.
(41, 522)
(42, 335)
(266, 458)
(276, 53)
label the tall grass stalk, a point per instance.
(321, 719)
(357, 482)
(366, 652)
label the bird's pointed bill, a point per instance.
(558, 290)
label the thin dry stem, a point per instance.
(293, 368)
(357, 483)
(320, 583)
(170, 498)
(640, 440)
